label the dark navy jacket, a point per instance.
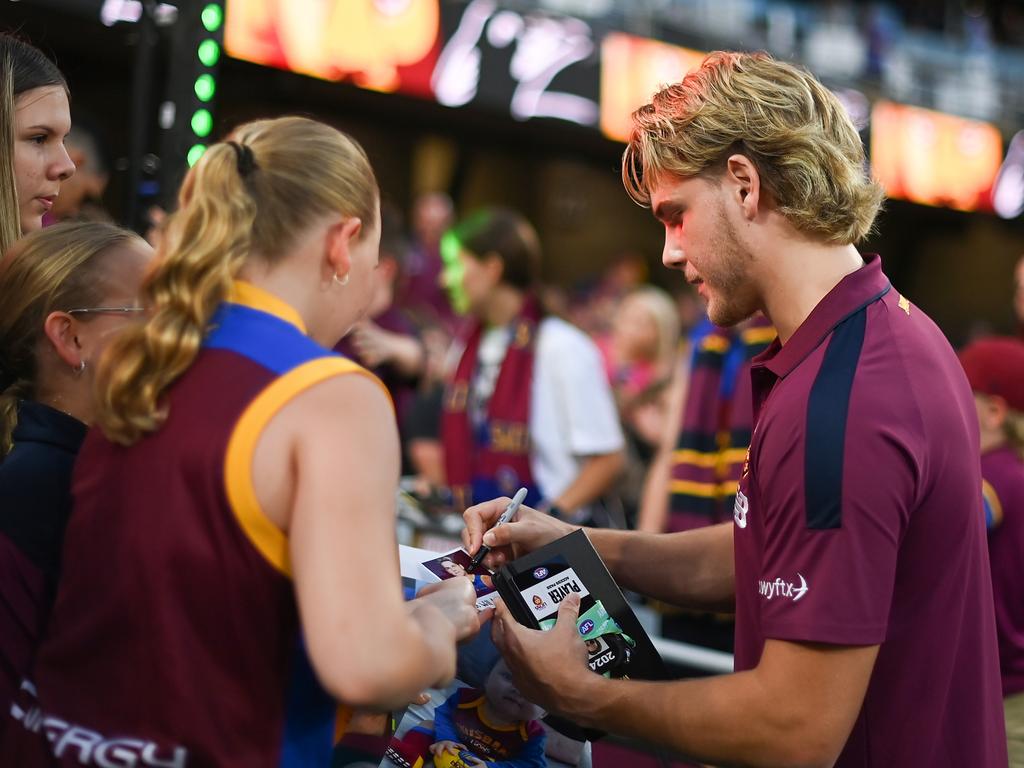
(35, 503)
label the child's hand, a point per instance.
(440, 747)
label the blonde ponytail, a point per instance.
(252, 197)
(206, 242)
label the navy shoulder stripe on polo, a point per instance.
(827, 410)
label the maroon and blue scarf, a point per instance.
(493, 458)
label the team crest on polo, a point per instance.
(740, 508)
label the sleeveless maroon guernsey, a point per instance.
(175, 639)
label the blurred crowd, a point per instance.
(617, 404)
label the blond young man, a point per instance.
(856, 560)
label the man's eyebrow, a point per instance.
(667, 210)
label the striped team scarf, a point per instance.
(483, 461)
(716, 426)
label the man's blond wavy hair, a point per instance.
(303, 170)
(796, 132)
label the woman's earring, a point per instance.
(80, 368)
(340, 280)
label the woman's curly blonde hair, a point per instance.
(795, 131)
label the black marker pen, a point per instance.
(508, 514)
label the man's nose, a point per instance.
(673, 257)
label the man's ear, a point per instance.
(59, 328)
(340, 238)
(744, 184)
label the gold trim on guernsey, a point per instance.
(993, 499)
(706, 490)
(341, 722)
(261, 531)
(249, 295)
(269, 540)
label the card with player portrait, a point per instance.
(455, 564)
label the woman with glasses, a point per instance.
(35, 117)
(231, 581)
(66, 292)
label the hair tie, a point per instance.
(244, 157)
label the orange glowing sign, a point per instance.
(371, 42)
(934, 158)
(632, 70)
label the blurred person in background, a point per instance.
(421, 296)
(593, 309)
(35, 116)
(641, 347)
(422, 427)
(214, 604)
(856, 560)
(67, 291)
(696, 485)
(694, 475)
(81, 196)
(639, 355)
(995, 370)
(421, 293)
(527, 403)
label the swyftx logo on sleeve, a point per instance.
(782, 588)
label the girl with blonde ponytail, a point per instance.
(233, 538)
(66, 291)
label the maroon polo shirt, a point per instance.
(859, 522)
(1003, 472)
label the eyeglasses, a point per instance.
(106, 311)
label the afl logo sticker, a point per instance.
(540, 573)
(586, 626)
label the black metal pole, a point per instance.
(142, 88)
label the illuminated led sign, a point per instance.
(934, 158)
(376, 44)
(632, 70)
(530, 64)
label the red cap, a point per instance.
(995, 366)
